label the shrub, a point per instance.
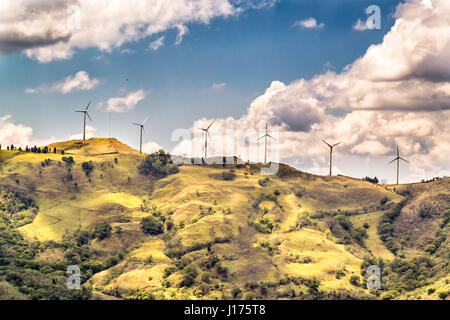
(264, 182)
(69, 161)
(366, 225)
(102, 230)
(206, 277)
(355, 280)
(158, 165)
(442, 294)
(189, 275)
(87, 167)
(264, 225)
(228, 176)
(384, 201)
(276, 192)
(152, 225)
(249, 296)
(431, 290)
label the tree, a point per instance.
(54, 150)
(102, 230)
(87, 167)
(152, 225)
(158, 165)
(189, 275)
(69, 161)
(372, 180)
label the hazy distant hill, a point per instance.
(227, 232)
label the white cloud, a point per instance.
(79, 82)
(151, 147)
(310, 23)
(397, 93)
(90, 132)
(156, 44)
(360, 25)
(218, 86)
(124, 104)
(55, 30)
(18, 134)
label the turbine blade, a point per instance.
(393, 160)
(210, 125)
(145, 120)
(336, 144)
(209, 136)
(271, 137)
(144, 130)
(136, 124)
(89, 116)
(403, 159)
(80, 111)
(88, 105)
(262, 137)
(327, 143)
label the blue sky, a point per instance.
(244, 52)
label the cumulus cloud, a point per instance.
(19, 135)
(310, 23)
(151, 147)
(156, 44)
(90, 132)
(360, 25)
(125, 104)
(397, 93)
(53, 30)
(79, 82)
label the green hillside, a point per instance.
(211, 232)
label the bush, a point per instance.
(384, 201)
(355, 280)
(442, 294)
(102, 230)
(366, 225)
(87, 167)
(264, 182)
(249, 296)
(206, 277)
(158, 165)
(69, 161)
(228, 176)
(152, 225)
(189, 275)
(264, 225)
(276, 192)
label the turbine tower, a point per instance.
(267, 135)
(85, 112)
(141, 125)
(206, 138)
(331, 153)
(398, 163)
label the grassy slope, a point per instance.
(116, 193)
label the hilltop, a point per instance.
(214, 232)
(93, 147)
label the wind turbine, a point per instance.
(142, 129)
(398, 163)
(85, 114)
(267, 135)
(331, 153)
(206, 138)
